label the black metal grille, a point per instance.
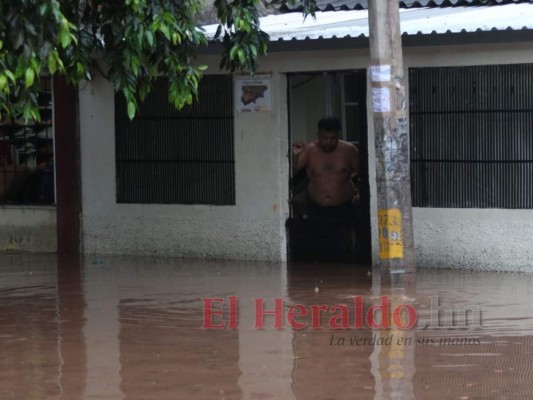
(170, 156)
(472, 136)
(27, 155)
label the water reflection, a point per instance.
(72, 374)
(131, 328)
(30, 361)
(327, 364)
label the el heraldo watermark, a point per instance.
(223, 313)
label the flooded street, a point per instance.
(134, 328)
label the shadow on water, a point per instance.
(131, 328)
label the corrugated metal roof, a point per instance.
(334, 5)
(354, 23)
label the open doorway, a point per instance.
(312, 96)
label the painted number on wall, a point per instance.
(390, 233)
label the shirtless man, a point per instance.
(330, 165)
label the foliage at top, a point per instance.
(138, 40)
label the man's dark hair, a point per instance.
(329, 124)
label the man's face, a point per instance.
(327, 140)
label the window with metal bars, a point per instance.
(169, 156)
(471, 136)
(27, 155)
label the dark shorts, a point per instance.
(346, 211)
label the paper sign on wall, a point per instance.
(253, 93)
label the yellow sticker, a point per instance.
(390, 233)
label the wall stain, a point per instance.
(13, 243)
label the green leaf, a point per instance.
(143, 39)
(30, 28)
(64, 37)
(149, 38)
(144, 90)
(60, 65)
(29, 77)
(176, 39)
(3, 82)
(131, 110)
(232, 52)
(165, 31)
(35, 64)
(34, 113)
(52, 65)
(242, 56)
(43, 8)
(135, 65)
(26, 112)
(19, 41)
(10, 75)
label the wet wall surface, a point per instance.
(132, 328)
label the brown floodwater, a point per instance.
(133, 328)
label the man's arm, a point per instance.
(299, 157)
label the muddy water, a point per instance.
(131, 328)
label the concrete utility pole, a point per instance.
(396, 249)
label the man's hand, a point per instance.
(298, 148)
(299, 159)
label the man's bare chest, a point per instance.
(329, 164)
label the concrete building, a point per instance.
(308, 74)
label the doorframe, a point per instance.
(366, 256)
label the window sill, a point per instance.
(27, 207)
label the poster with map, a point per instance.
(253, 93)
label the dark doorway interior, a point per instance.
(312, 96)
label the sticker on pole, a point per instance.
(390, 233)
(380, 73)
(381, 102)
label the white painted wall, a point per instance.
(482, 239)
(254, 228)
(28, 229)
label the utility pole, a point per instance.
(396, 260)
